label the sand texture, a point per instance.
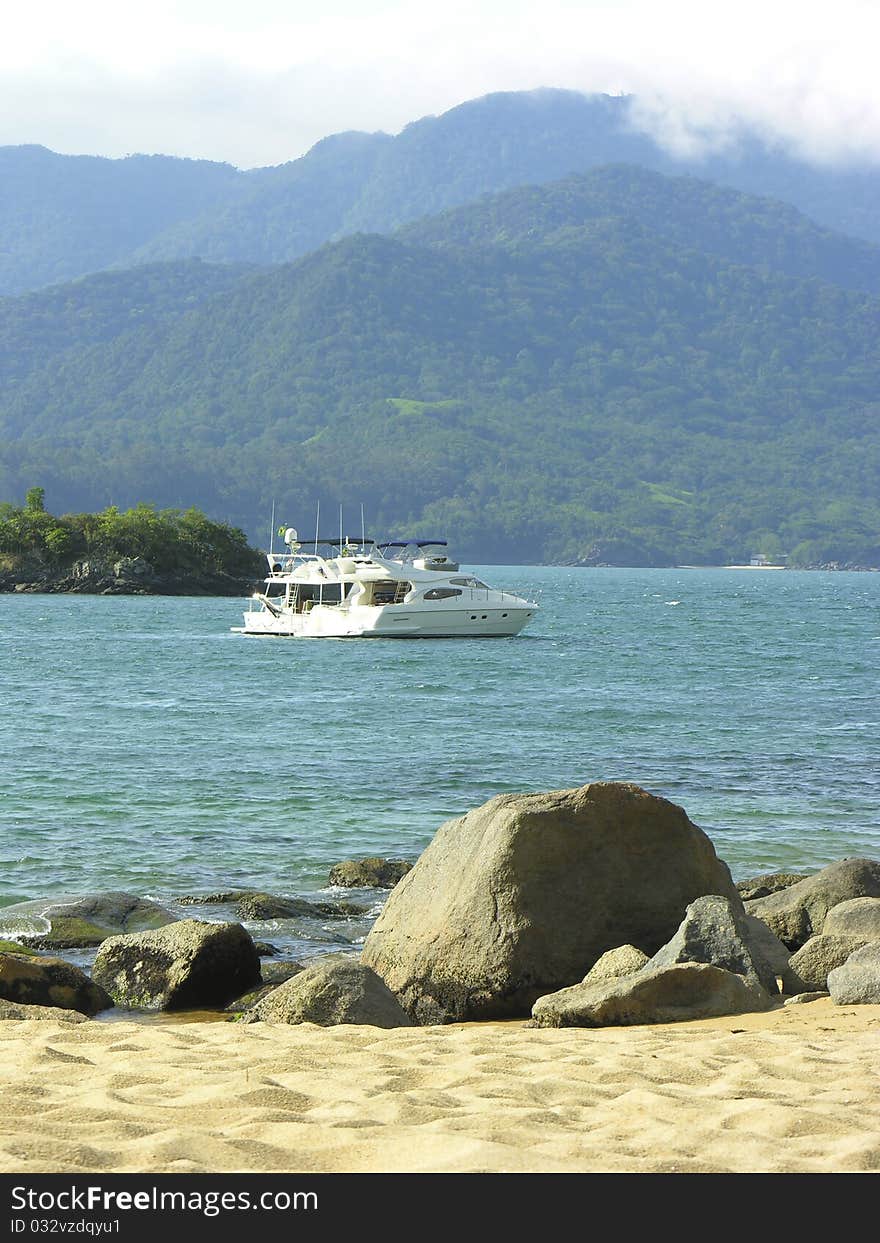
(793, 1090)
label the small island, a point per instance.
(139, 551)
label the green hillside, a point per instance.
(585, 388)
(742, 228)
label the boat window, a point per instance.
(390, 591)
(469, 582)
(328, 593)
(442, 593)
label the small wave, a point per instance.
(28, 926)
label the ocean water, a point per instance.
(145, 747)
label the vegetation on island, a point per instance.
(164, 545)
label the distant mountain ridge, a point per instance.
(65, 216)
(582, 371)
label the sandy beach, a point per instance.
(793, 1090)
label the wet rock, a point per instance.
(15, 947)
(336, 990)
(226, 897)
(798, 912)
(809, 966)
(263, 906)
(80, 922)
(37, 981)
(255, 906)
(188, 965)
(804, 999)
(669, 994)
(342, 910)
(369, 873)
(714, 930)
(857, 981)
(625, 960)
(522, 896)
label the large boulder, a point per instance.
(522, 895)
(810, 965)
(798, 912)
(36, 981)
(857, 981)
(78, 922)
(336, 990)
(671, 994)
(714, 931)
(859, 917)
(188, 965)
(369, 873)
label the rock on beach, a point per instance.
(798, 912)
(809, 966)
(186, 965)
(336, 990)
(667, 994)
(857, 981)
(716, 931)
(521, 896)
(29, 980)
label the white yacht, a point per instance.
(358, 588)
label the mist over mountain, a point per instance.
(65, 216)
(620, 366)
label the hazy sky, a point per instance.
(258, 82)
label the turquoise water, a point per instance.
(145, 747)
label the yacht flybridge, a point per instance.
(358, 588)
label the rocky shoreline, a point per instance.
(598, 906)
(126, 576)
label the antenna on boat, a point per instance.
(272, 532)
(341, 536)
(317, 527)
(363, 529)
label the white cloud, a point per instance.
(258, 83)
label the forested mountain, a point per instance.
(588, 370)
(38, 327)
(65, 216)
(62, 216)
(744, 229)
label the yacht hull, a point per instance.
(393, 622)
